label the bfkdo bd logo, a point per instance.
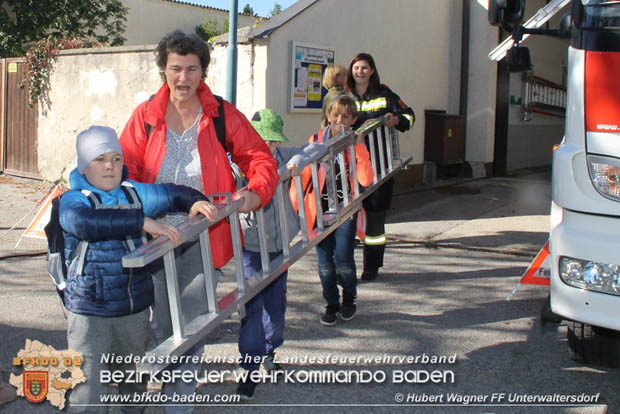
(36, 385)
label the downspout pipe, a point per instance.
(231, 67)
(465, 29)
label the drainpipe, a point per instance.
(465, 24)
(231, 67)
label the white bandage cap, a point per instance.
(93, 142)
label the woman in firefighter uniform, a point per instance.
(374, 100)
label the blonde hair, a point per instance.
(343, 102)
(331, 73)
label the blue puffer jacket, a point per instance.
(105, 288)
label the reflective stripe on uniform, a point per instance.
(372, 105)
(374, 240)
(410, 119)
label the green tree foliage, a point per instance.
(248, 10)
(23, 22)
(209, 28)
(276, 9)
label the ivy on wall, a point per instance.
(40, 57)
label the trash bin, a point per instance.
(444, 138)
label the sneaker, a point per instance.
(330, 316)
(348, 308)
(245, 389)
(270, 364)
(370, 274)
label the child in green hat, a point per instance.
(263, 326)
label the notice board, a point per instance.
(308, 64)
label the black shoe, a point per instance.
(330, 316)
(370, 274)
(245, 389)
(348, 308)
(270, 364)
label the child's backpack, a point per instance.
(56, 260)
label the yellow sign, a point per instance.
(12, 67)
(314, 82)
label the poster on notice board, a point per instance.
(308, 63)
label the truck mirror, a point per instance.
(518, 59)
(507, 13)
(493, 12)
(565, 25)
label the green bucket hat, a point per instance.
(268, 123)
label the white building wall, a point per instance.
(217, 72)
(412, 42)
(102, 87)
(149, 20)
(480, 135)
(420, 60)
(90, 89)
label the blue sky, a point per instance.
(261, 7)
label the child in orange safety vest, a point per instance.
(335, 253)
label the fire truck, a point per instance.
(585, 207)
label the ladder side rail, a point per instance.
(208, 271)
(343, 178)
(373, 157)
(174, 296)
(262, 240)
(356, 184)
(396, 160)
(379, 133)
(317, 195)
(301, 208)
(283, 212)
(387, 139)
(330, 182)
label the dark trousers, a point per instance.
(376, 206)
(374, 240)
(263, 326)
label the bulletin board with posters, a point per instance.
(308, 63)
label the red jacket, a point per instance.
(144, 155)
(363, 170)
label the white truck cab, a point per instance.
(585, 207)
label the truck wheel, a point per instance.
(590, 344)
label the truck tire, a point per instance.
(590, 344)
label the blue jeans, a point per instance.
(335, 256)
(263, 326)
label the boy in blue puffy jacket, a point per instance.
(109, 305)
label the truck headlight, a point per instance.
(594, 276)
(605, 175)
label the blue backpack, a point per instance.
(56, 260)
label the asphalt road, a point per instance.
(442, 294)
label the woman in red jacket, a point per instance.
(172, 138)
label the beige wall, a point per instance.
(148, 20)
(414, 43)
(420, 61)
(103, 86)
(90, 89)
(480, 135)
